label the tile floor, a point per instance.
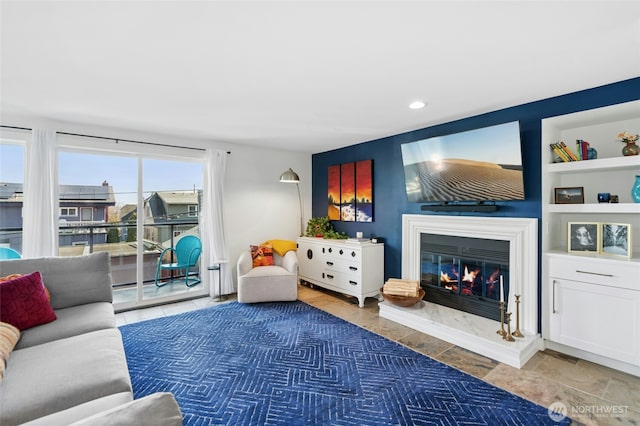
(593, 394)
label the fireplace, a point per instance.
(492, 247)
(468, 274)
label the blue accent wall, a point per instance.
(390, 201)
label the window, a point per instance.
(68, 211)
(193, 210)
(12, 151)
(86, 214)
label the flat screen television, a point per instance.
(476, 166)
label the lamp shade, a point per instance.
(289, 177)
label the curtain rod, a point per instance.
(116, 140)
(16, 128)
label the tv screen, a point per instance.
(479, 165)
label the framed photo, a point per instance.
(583, 237)
(616, 239)
(573, 195)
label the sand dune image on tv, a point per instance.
(455, 179)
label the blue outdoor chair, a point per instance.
(187, 252)
(9, 253)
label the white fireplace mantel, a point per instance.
(463, 329)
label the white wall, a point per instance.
(257, 206)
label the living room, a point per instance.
(105, 84)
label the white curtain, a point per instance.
(40, 216)
(214, 241)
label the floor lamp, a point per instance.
(292, 177)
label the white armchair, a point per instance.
(277, 283)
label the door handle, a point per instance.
(594, 273)
(553, 298)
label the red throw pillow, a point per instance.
(262, 255)
(24, 302)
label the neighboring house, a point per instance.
(11, 199)
(81, 207)
(165, 209)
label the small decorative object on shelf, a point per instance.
(616, 240)
(501, 331)
(592, 154)
(629, 140)
(614, 199)
(573, 195)
(517, 333)
(635, 190)
(508, 337)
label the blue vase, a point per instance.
(635, 190)
(592, 154)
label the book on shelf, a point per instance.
(570, 153)
(560, 153)
(584, 148)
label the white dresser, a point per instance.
(351, 267)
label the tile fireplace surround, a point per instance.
(470, 331)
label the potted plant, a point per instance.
(321, 227)
(630, 140)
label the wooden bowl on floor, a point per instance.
(403, 301)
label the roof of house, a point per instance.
(103, 194)
(178, 197)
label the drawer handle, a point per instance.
(330, 276)
(353, 283)
(553, 297)
(594, 273)
(330, 263)
(353, 268)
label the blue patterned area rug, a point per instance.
(292, 364)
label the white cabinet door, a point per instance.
(310, 260)
(596, 318)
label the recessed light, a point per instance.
(417, 105)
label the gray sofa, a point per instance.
(74, 368)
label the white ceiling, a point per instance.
(304, 75)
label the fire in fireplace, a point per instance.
(465, 273)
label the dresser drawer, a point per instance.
(346, 253)
(342, 265)
(615, 273)
(342, 281)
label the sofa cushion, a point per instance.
(262, 255)
(157, 409)
(58, 375)
(90, 281)
(71, 322)
(9, 336)
(24, 302)
(82, 411)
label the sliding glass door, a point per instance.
(136, 206)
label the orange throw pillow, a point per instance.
(262, 255)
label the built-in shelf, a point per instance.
(595, 208)
(582, 291)
(602, 164)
